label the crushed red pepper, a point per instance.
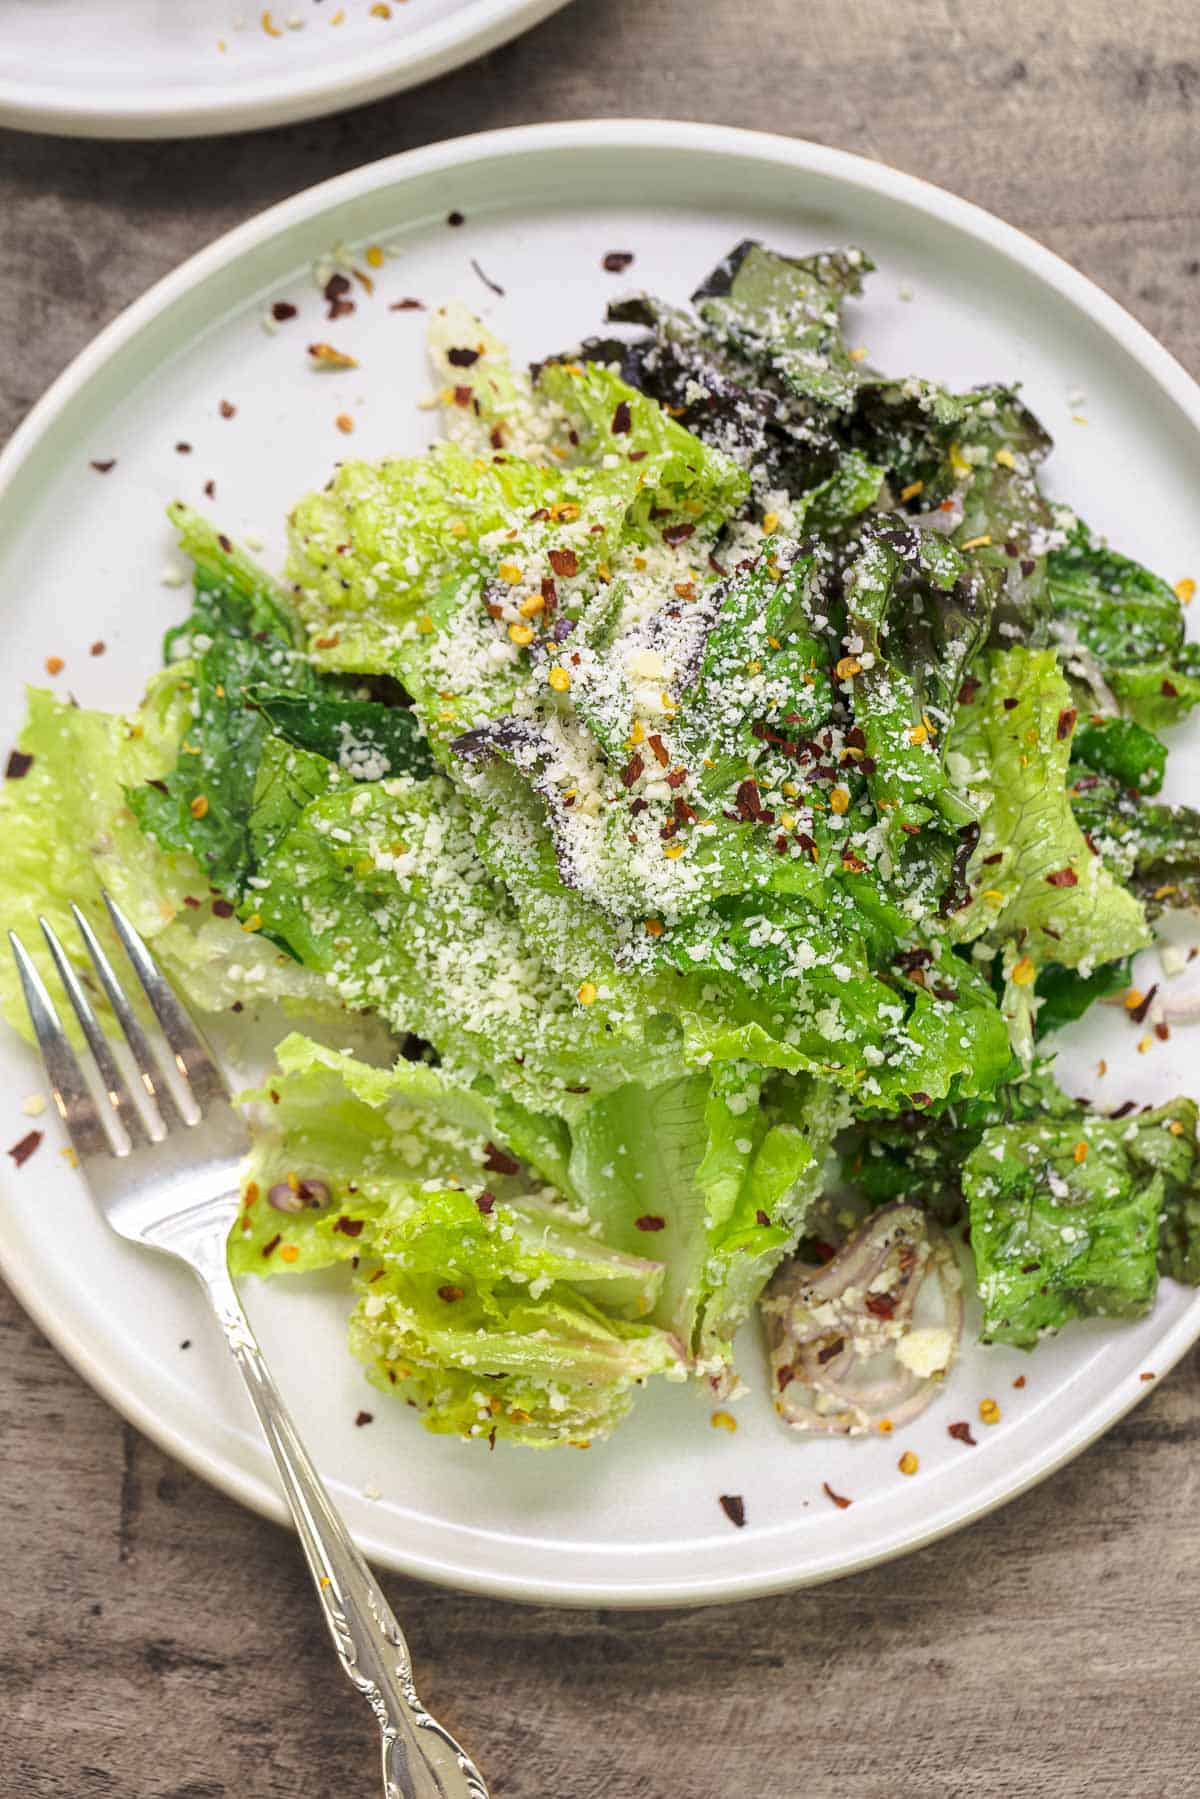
(21, 1152)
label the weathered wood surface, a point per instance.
(160, 1643)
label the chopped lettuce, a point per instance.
(1065, 1217)
(1130, 621)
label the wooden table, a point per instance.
(159, 1642)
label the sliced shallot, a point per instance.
(835, 1332)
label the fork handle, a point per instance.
(421, 1760)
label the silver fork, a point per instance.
(166, 1175)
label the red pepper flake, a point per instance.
(1066, 723)
(734, 1508)
(498, 1161)
(1147, 1376)
(640, 456)
(456, 218)
(191, 902)
(919, 1099)
(565, 563)
(677, 777)
(661, 754)
(785, 1377)
(829, 1351)
(106, 466)
(1010, 704)
(268, 1249)
(677, 534)
(622, 420)
(18, 765)
(617, 261)
(967, 692)
(761, 1217)
(21, 1152)
(486, 1201)
(633, 770)
(364, 1418)
(227, 409)
(961, 1432)
(1125, 1109)
(463, 396)
(1169, 690)
(1063, 877)
(335, 291)
(837, 1498)
(650, 1221)
(98, 648)
(349, 1227)
(1162, 1031)
(1138, 1013)
(282, 311)
(749, 803)
(1020, 1381)
(408, 305)
(222, 908)
(183, 449)
(881, 1305)
(462, 359)
(450, 1294)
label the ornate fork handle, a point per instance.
(421, 1760)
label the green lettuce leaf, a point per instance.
(1065, 1217)
(1036, 888)
(71, 832)
(1152, 848)
(714, 1175)
(483, 1298)
(781, 314)
(1131, 621)
(1133, 756)
(238, 657)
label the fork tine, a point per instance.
(192, 1056)
(158, 1088)
(72, 1097)
(127, 1117)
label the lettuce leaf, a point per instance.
(715, 1173)
(1065, 1217)
(1037, 890)
(781, 314)
(1131, 621)
(1152, 848)
(246, 677)
(71, 832)
(482, 1297)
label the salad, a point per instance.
(719, 769)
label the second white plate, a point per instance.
(958, 296)
(190, 68)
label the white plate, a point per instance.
(635, 1521)
(188, 68)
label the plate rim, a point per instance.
(590, 135)
(268, 100)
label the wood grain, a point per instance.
(160, 1643)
